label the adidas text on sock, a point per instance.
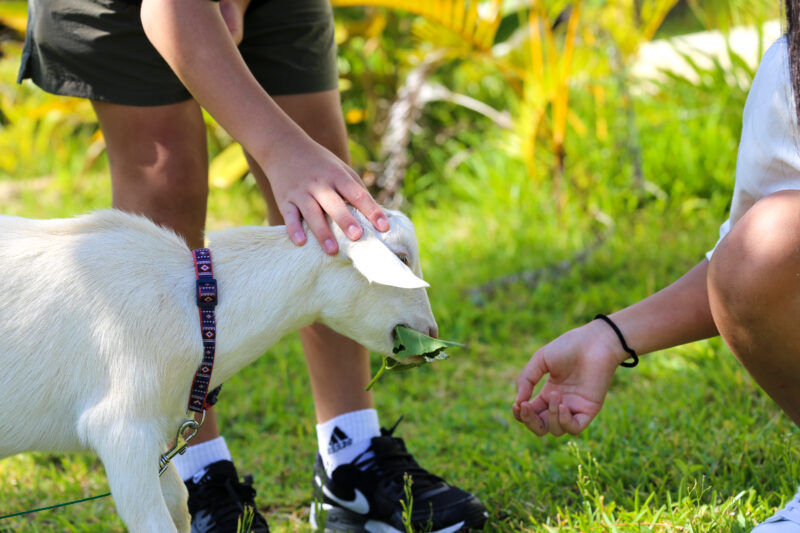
(342, 438)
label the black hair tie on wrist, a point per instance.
(625, 346)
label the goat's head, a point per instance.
(378, 281)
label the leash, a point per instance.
(200, 398)
(56, 506)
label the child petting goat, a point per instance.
(100, 336)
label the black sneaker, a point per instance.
(365, 495)
(218, 500)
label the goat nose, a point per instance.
(433, 331)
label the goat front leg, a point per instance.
(176, 497)
(130, 454)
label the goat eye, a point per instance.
(403, 258)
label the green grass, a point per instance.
(686, 441)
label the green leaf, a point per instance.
(412, 349)
(408, 343)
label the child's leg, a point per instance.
(159, 163)
(754, 291)
(159, 167)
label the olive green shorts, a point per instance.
(97, 49)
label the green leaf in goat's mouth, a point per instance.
(412, 349)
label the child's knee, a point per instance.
(758, 262)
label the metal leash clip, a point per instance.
(181, 442)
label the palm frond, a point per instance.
(476, 22)
(632, 23)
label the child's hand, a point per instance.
(581, 364)
(308, 182)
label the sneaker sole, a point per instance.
(338, 519)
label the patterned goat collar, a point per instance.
(200, 399)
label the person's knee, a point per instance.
(157, 153)
(758, 262)
(166, 187)
(177, 174)
(161, 140)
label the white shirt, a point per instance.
(769, 150)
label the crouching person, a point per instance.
(747, 289)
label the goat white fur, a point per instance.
(100, 334)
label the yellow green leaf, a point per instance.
(229, 166)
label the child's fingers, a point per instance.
(572, 423)
(553, 422)
(530, 376)
(333, 205)
(531, 419)
(312, 212)
(568, 421)
(581, 422)
(524, 390)
(359, 197)
(515, 410)
(539, 404)
(294, 227)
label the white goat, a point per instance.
(100, 335)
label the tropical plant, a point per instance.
(14, 15)
(533, 63)
(724, 14)
(542, 50)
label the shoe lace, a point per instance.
(390, 461)
(225, 499)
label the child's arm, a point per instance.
(582, 361)
(307, 179)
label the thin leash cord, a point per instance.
(56, 506)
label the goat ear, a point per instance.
(379, 265)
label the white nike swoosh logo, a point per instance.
(358, 504)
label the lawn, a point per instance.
(686, 440)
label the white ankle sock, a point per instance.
(342, 438)
(199, 456)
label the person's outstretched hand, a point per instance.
(580, 364)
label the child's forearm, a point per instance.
(677, 314)
(193, 39)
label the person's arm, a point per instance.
(581, 362)
(307, 179)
